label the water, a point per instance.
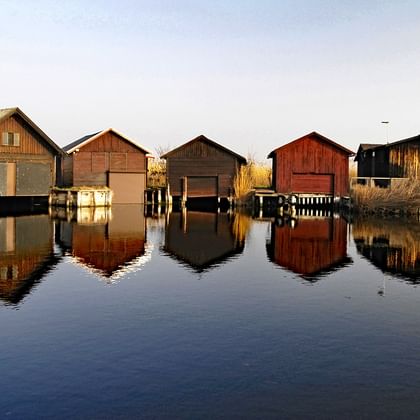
(206, 315)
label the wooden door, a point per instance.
(312, 183)
(202, 186)
(127, 188)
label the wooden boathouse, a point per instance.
(108, 158)
(201, 168)
(312, 165)
(382, 162)
(29, 160)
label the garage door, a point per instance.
(202, 186)
(312, 183)
(127, 188)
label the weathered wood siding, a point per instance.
(200, 159)
(310, 155)
(313, 246)
(108, 153)
(404, 160)
(35, 162)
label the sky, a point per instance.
(251, 75)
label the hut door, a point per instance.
(202, 186)
(312, 183)
(127, 188)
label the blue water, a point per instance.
(237, 337)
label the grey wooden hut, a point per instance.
(201, 168)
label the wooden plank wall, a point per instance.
(310, 155)
(404, 160)
(109, 152)
(32, 150)
(201, 159)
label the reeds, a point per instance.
(252, 175)
(242, 183)
(401, 197)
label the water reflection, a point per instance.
(202, 240)
(109, 242)
(26, 255)
(309, 246)
(391, 245)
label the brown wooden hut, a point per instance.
(399, 159)
(201, 168)
(29, 159)
(202, 239)
(26, 255)
(312, 164)
(107, 158)
(314, 246)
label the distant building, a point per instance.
(400, 159)
(29, 159)
(201, 168)
(312, 164)
(107, 158)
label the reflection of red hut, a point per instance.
(313, 246)
(26, 255)
(107, 248)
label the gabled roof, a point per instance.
(204, 139)
(363, 147)
(321, 138)
(9, 112)
(83, 141)
(414, 138)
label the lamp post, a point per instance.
(387, 132)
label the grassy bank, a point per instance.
(402, 198)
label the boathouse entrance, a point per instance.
(312, 183)
(128, 188)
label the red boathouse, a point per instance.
(312, 164)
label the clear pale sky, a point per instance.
(252, 75)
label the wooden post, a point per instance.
(184, 190)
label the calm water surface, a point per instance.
(206, 315)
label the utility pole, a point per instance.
(387, 130)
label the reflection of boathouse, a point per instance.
(26, 255)
(111, 245)
(312, 247)
(391, 245)
(202, 240)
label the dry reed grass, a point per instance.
(242, 183)
(402, 196)
(252, 175)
